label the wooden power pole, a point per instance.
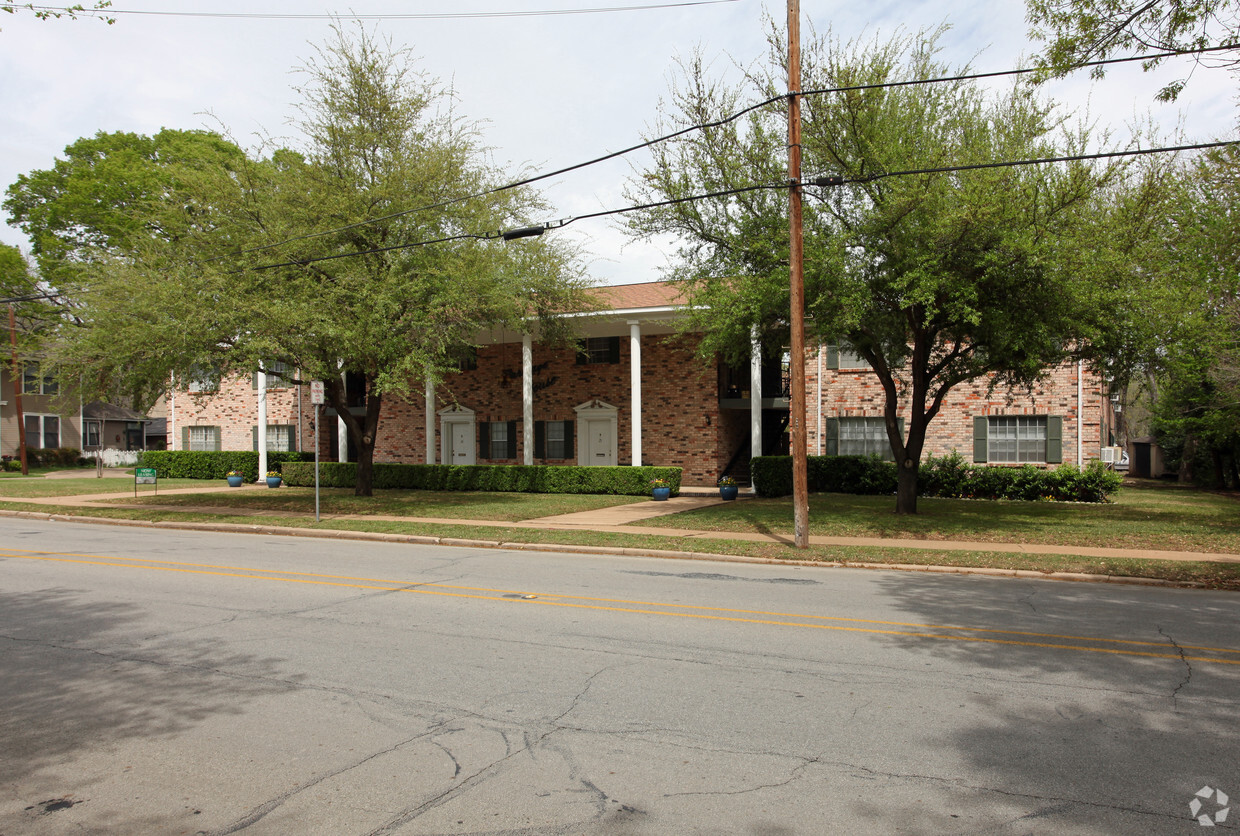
(796, 263)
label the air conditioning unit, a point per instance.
(1111, 455)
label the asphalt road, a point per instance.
(163, 682)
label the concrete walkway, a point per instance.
(623, 519)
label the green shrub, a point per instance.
(950, 476)
(623, 481)
(772, 475)
(195, 464)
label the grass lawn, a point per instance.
(465, 505)
(37, 486)
(1144, 515)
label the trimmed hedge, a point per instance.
(950, 476)
(624, 481)
(196, 464)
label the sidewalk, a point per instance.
(622, 519)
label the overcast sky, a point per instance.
(554, 89)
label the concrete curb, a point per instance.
(425, 540)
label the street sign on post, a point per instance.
(316, 398)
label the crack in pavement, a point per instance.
(1028, 599)
(486, 772)
(263, 810)
(1188, 667)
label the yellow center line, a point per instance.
(602, 604)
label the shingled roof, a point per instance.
(622, 297)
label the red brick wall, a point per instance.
(683, 425)
(680, 424)
(857, 393)
(234, 409)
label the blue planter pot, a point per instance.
(273, 481)
(661, 494)
(235, 481)
(728, 491)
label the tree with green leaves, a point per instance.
(370, 251)
(936, 278)
(96, 9)
(1195, 373)
(1078, 31)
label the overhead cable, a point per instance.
(702, 127)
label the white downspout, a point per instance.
(821, 448)
(1080, 413)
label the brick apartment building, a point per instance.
(634, 393)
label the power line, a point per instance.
(836, 180)
(705, 126)
(824, 180)
(415, 16)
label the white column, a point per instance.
(170, 425)
(430, 421)
(262, 426)
(635, 388)
(755, 395)
(527, 399)
(342, 429)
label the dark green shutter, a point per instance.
(833, 357)
(484, 440)
(981, 426)
(582, 357)
(184, 438)
(540, 439)
(833, 436)
(512, 440)
(568, 439)
(1054, 439)
(613, 349)
(254, 437)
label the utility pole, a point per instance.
(796, 265)
(17, 392)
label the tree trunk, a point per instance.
(1216, 458)
(367, 432)
(906, 487)
(1185, 474)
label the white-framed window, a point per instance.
(844, 356)
(279, 375)
(598, 351)
(34, 383)
(864, 437)
(499, 440)
(42, 431)
(203, 438)
(92, 430)
(556, 436)
(203, 379)
(1016, 438)
(280, 438)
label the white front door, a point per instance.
(460, 443)
(600, 451)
